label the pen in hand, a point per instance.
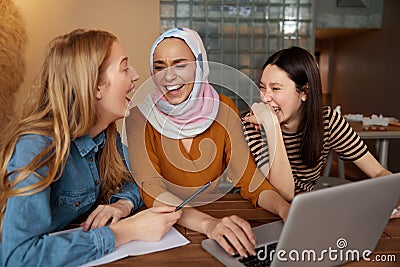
(201, 189)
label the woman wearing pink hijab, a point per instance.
(185, 135)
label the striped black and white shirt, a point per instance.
(338, 136)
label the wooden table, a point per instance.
(194, 255)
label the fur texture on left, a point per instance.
(12, 65)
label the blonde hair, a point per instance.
(63, 108)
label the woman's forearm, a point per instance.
(280, 172)
(191, 218)
(275, 203)
(280, 175)
(196, 220)
(370, 166)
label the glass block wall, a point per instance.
(242, 34)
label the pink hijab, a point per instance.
(194, 115)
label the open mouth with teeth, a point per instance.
(173, 89)
(130, 91)
(276, 109)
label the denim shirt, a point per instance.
(28, 220)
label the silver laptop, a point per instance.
(326, 227)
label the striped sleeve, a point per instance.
(256, 141)
(343, 139)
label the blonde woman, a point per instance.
(64, 157)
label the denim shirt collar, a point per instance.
(85, 144)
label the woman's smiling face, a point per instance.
(120, 78)
(279, 91)
(174, 68)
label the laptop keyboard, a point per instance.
(263, 260)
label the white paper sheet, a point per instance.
(170, 240)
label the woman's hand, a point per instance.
(104, 213)
(251, 118)
(261, 113)
(233, 234)
(395, 214)
(147, 225)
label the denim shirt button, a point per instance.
(77, 204)
(90, 159)
(96, 182)
(105, 252)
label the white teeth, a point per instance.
(276, 109)
(173, 87)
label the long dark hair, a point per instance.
(302, 69)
